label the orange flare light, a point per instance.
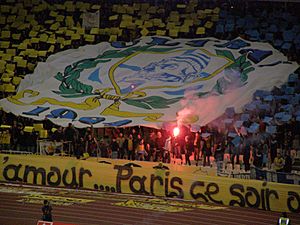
(176, 131)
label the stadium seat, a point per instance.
(269, 37)
(286, 46)
(9, 88)
(288, 35)
(16, 80)
(253, 35)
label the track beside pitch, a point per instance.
(22, 205)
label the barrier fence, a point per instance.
(272, 176)
(145, 178)
(48, 147)
(263, 175)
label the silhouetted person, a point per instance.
(46, 209)
(288, 162)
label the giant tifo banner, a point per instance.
(151, 81)
(145, 178)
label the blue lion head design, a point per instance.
(180, 69)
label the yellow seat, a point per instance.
(38, 126)
(161, 32)
(94, 30)
(200, 30)
(9, 88)
(5, 34)
(28, 129)
(43, 133)
(114, 17)
(144, 32)
(11, 51)
(6, 79)
(209, 24)
(10, 68)
(16, 81)
(113, 38)
(3, 126)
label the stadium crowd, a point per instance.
(266, 134)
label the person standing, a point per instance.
(14, 135)
(114, 147)
(288, 162)
(129, 145)
(279, 162)
(80, 149)
(91, 146)
(47, 211)
(258, 158)
(70, 135)
(20, 137)
(197, 143)
(141, 150)
(265, 151)
(247, 155)
(219, 157)
(188, 149)
(58, 135)
(176, 149)
(273, 148)
(159, 147)
(168, 149)
(121, 140)
(103, 149)
(151, 143)
(135, 138)
(207, 151)
(31, 141)
(58, 138)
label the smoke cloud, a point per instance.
(209, 107)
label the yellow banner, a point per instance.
(135, 177)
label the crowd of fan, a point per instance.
(210, 145)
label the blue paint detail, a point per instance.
(182, 91)
(256, 55)
(202, 55)
(131, 67)
(127, 89)
(199, 61)
(178, 92)
(91, 120)
(118, 123)
(162, 41)
(133, 85)
(36, 111)
(234, 44)
(204, 74)
(62, 113)
(183, 68)
(94, 76)
(167, 77)
(118, 44)
(123, 44)
(197, 43)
